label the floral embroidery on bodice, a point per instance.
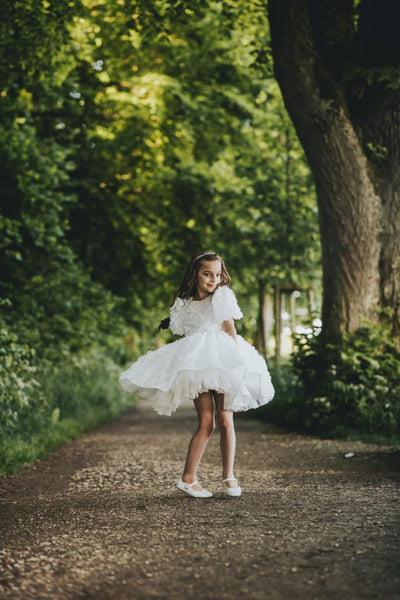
(191, 316)
(197, 315)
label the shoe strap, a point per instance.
(189, 485)
(230, 479)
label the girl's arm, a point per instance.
(229, 327)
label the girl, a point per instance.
(211, 365)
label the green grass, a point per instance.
(18, 452)
(367, 437)
(75, 397)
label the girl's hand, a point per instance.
(229, 327)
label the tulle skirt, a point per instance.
(207, 360)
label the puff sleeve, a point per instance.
(225, 305)
(176, 317)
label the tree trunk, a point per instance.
(267, 321)
(278, 322)
(261, 343)
(354, 159)
(264, 319)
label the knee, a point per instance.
(207, 426)
(226, 425)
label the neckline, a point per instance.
(202, 299)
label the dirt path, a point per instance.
(102, 519)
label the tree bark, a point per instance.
(278, 322)
(261, 342)
(264, 318)
(352, 144)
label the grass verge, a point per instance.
(18, 451)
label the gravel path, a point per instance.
(101, 519)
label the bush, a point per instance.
(354, 386)
(284, 408)
(83, 383)
(20, 393)
(43, 406)
(348, 390)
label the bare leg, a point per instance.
(205, 409)
(228, 438)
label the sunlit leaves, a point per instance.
(176, 139)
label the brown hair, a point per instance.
(187, 289)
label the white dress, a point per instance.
(206, 358)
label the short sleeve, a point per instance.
(225, 305)
(176, 317)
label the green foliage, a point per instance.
(284, 409)
(19, 451)
(30, 36)
(43, 406)
(35, 394)
(59, 361)
(186, 144)
(18, 383)
(351, 387)
(88, 381)
(131, 135)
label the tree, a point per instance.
(133, 134)
(48, 299)
(181, 142)
(337, 64)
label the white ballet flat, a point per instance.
(232, 491)
(187, 488)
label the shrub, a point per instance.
(21, 398)
(347, 390)
(44, 405)
(351, 386)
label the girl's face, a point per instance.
(208, 277)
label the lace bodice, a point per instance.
(191, 316)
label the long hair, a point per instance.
(188, 288)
